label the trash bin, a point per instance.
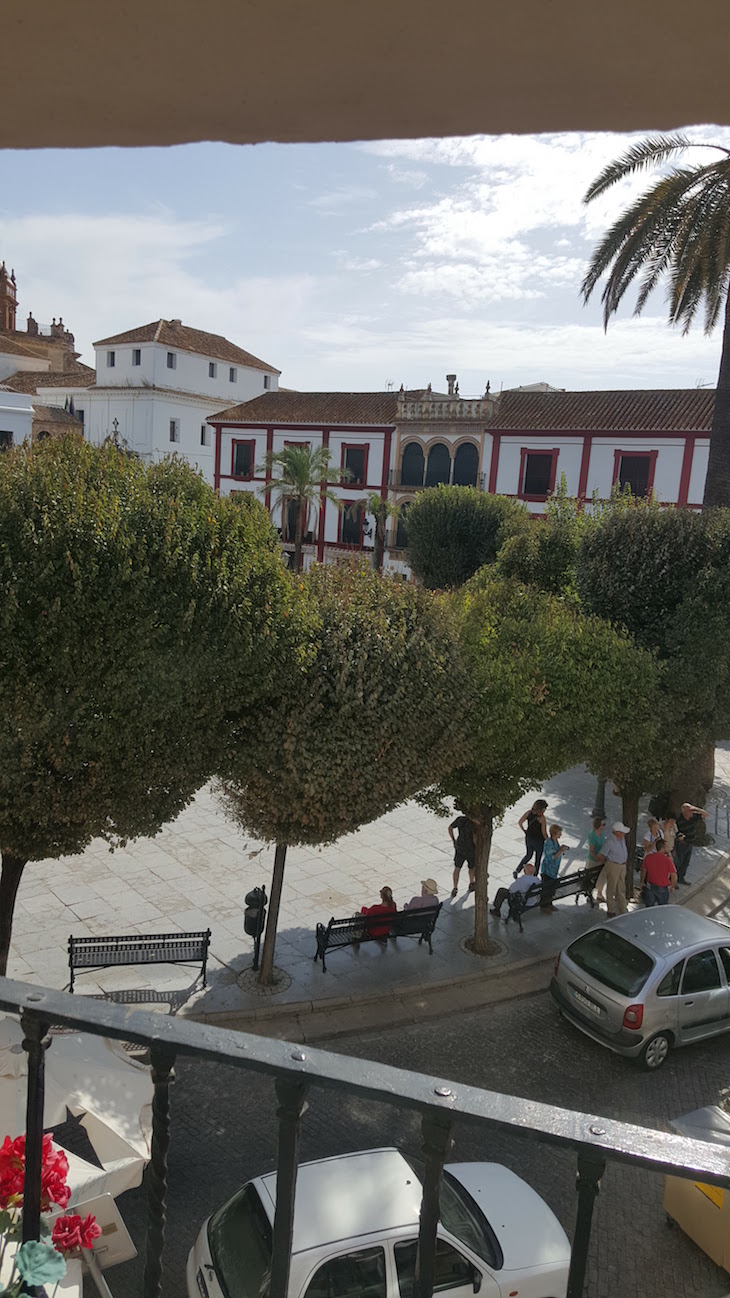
(703, 1211)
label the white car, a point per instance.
(356, 1228)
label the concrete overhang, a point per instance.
(156, 72)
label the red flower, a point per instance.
(12, 1167)
(73, 1232)
(54, 1170)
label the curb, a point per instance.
(309, 1021)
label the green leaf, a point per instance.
(39, 1263)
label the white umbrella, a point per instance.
(93, 1077)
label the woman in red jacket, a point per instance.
(386, 907)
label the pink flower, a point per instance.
(72, 1233)
(54, 1170)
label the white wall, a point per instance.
(189, 375)
(10, 364)
(699, 472)
(16, 415)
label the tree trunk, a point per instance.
(12, 873)
(717, 482)
(599, 808)
(483, 818)
(379, 545)
(630, 813)
(277, 882)
(298, 538)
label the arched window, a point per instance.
(466, 463)
(43, 434)
(411, 466)
(401, 536)
(439, 465)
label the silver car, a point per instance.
(647, 981)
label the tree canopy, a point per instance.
(545, 676)
(137, 610)
(674, 235)
(454, 531)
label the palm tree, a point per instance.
(678, 234)
(302, 474)
(381, 511)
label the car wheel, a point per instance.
(655, 1051)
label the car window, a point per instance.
(239, 1237)
(612, 960)
(725, 957)
(354, 1275)
(701, 973)
(669, 985)
(451, 1270)
(462, 1217)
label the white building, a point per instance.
(16, 418)
(156, 386)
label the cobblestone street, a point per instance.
(223, 1132)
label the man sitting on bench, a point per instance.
(522, 883)
(429, 896)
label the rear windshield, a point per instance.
(239, 1237)
(612, 960)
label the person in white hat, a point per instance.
(429, 896)
(614, 855)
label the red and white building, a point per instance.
(518, 443)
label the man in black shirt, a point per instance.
(687, 822)
(463, 850)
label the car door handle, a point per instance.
(689, 1002)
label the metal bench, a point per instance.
(89, 953)
(578, 884)
(352, 931)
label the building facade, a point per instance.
(518, 443)
(155, 386)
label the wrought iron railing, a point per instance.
(293, 1069)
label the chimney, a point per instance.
(451, 380)
(176, 324)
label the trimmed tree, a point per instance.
(455, 531)
(130, 601)
(543, 674)
(663, 574)
(375, 712)
(544, 554)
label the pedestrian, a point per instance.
(550, 867)
(524, 884)
(596, 839)
(464, 851)
(669, 832)
(428, 896)
(386, 906)
(534, 827)
(659, 874)
(653, 832)
(614, 854)
(687, 821)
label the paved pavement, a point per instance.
(224, 1131)
(195, 875)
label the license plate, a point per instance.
(590, 1005)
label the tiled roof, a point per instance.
(54, 415)
(31, 380)
(287, 407)
(684, 410)
(171, 334)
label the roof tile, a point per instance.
(685, 410)
(185, 339)
(31, 380)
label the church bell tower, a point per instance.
(8, 300)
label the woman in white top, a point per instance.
(653, 832)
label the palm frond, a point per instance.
(647, 153)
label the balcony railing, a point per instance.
(395, 479)
(293, 1070)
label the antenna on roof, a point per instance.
(390, 385)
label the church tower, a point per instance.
(8, 300)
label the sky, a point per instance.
(348, 266)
